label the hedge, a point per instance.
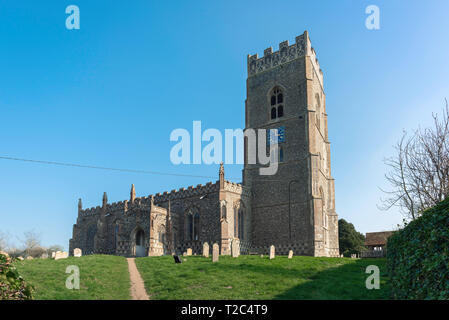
(12, 285)
(418, 256)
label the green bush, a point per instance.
(418, 256)
(12, 285)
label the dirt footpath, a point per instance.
(138, 291)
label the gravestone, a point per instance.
(215, 252)
(353, 256)
(184, 253)
(206, 250)
(272, 252)
(53, 255)
(44, 255)
(261, 255)
(235, 249)
(20, 258)
(77, 252)
(177, 259)
(189, 251)
(290, 254)
(29, 258)
(61, 255)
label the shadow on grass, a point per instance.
(345, 280)
(251, 277)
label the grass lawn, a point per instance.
(101, 277)
(253, 277)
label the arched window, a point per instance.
(241, 223)
(276, 100)
(236, 221)
(196, 226)
(189, 227)
(223, 212)
(192, 225)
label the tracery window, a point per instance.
(276, 103)
(192, 225)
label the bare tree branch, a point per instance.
(419, 172)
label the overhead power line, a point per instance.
(104, 168)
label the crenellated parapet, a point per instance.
(232, 187)
(286, 53)
(182, 193)
(191, 191)
(90, 211)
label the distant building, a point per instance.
(376, 243)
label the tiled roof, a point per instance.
(377, 238)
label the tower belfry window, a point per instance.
(276, 103)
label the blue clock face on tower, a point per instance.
(273, 138)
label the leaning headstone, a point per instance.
(189, 251)
(177, 259)
(215, 252)
(290, 254)
(206, 250)
(272, 252)
(77, 252)
(53, 254)
(20, 258)
(29, 258)
(235, 249)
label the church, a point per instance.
(293, 209)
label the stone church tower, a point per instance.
(295, 208)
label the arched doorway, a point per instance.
(140, 243)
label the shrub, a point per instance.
(12, 285)
(418, 256)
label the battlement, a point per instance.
(302, 47)
(232, 186)
(174, 194)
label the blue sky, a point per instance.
(110, 93)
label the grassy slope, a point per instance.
(253, 277)
(101, 277)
